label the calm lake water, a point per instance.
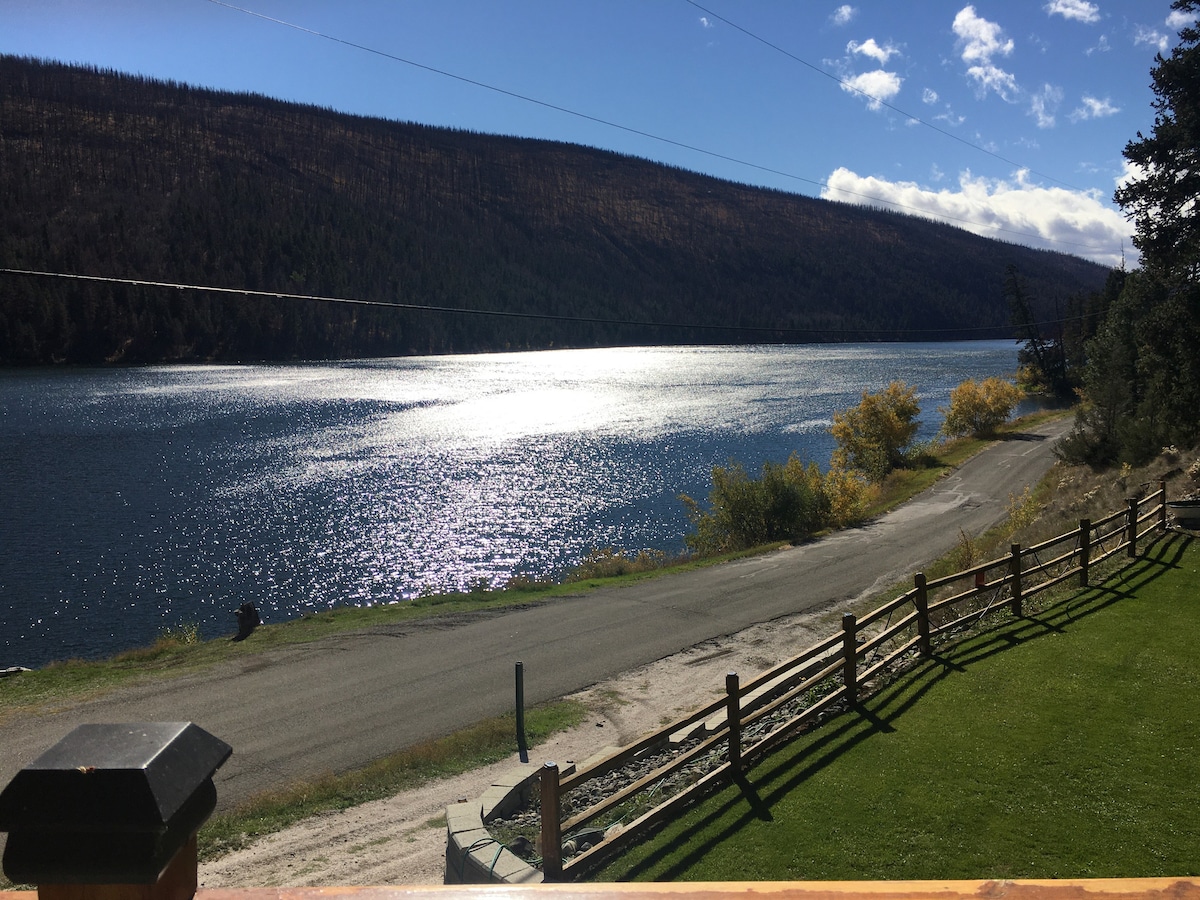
(139, 499)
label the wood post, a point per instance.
(551, 824)
(1162, 505)
(1085, 550)
(921, 602)
(522, 744)
(1016, 580)
(734, 714)
(178, 881)
(850, 657)
(1131, 528)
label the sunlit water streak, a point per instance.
(139, 499)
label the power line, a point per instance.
(506, 314)
(915, 210)
(851, 87)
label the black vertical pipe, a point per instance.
(522, 745)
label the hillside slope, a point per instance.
(106, 174)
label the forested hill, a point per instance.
(105, 174)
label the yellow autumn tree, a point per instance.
(873, 436)
(978, 408)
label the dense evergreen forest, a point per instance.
(105, 174)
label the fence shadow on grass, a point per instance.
(783, 772)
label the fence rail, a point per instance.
(767, 709)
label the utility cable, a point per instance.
(551, 317)
(851, 87)
(914, 210)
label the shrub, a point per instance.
(611, 563)
(978, 408)
(873, 435)
(788, 502)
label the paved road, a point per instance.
(341, 702)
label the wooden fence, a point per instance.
(718, 742)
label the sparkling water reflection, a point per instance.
(139, 499)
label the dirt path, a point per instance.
(402, 840)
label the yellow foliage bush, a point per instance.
(978, 408)
(872, 436)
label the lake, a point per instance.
(140, 499)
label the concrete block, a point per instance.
(463, 817)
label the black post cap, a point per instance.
(109, 804)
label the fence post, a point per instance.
(1131, 527)
(1085, 550)
(551, 822)
(734, 712)
(1162, 505)
(1016, 580)
(921, 602)
(124, 829)
(522, 743)
(850, 656)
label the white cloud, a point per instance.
(1179, 20)
(993, 78)
(705, 22)
(1044, 104)
(1076, 222)
(980, 41)
(878, 86)
(929, 96)
(1094, 108)
(979, 38)
(873, 50)
(1129, 172)
(1079, 10)
(1144, 35)
(1102, 46)
(843, 15)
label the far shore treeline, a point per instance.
(105, 174)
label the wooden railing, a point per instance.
(718, 742)
(1025, 889)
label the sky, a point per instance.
(1006, 117)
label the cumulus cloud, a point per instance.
(1076, 222)
(705, 22)
(1094, 108)
(870, 48)
(1044, 104)
(1130, 172)
(1145, 36)
(1079, 10)
(876, 87)
(843, 15)
(929, 96)
(1179, 20)
(980, 41)
(993, 78)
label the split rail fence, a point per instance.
(763, 712)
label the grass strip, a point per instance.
(1070, 754)
(487, 742)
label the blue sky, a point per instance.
(1007, 118)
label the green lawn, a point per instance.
(1065, 744)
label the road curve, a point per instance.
(337, 703)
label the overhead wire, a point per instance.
(915, 210)
(509, 314)
(875, 99)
